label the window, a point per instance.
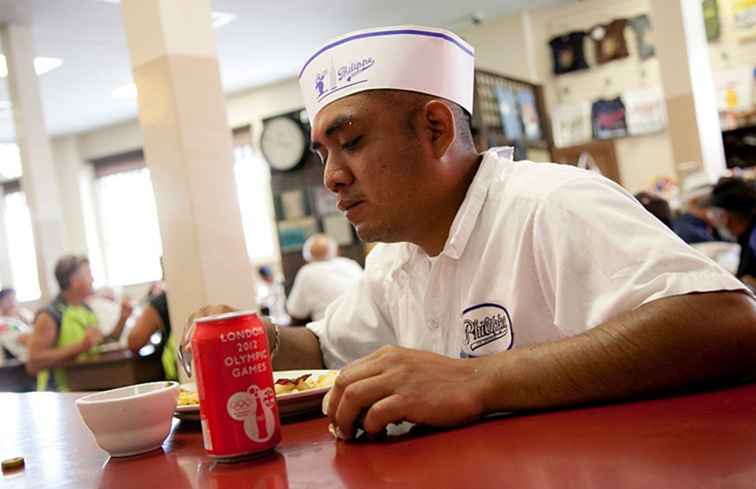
(23, 256)
(253, 186)
(128, 220)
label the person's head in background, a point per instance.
(696, 196)
(656, 206)
(319, 247)
(266, 273)
(733, 202)
(74, 277)
(7, 300)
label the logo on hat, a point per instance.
(341, 78)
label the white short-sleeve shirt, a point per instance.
(537, 252)
(319, 283)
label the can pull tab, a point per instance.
(504, 152)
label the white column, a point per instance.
(188, 149)
(6, 276)
(683, 54)
(39, 180)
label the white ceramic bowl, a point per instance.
(130, 420)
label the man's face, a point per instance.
(82, 280)
(375, 165)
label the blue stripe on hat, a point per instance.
(364, 35)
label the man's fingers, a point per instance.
(356, 398)
(388, 410)
(347, 376)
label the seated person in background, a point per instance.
(693, 226)
(324, 278)
(733, 202)
(67, 328)
(155, 317)
(271, 297)
(498, 286)
(15, 326)
(656, 206)
(10, 308)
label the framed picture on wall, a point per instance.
(292, 234)
(324, 201)
(293, 205)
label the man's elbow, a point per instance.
(133, 344)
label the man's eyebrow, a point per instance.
(338, 124)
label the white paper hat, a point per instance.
(418, 59)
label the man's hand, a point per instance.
(126, 309)
(92, 337)
(397, 384)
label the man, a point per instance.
(505, 286)
(657, 206)
(324, 278)
(734, 203)
(67, 329)
(694, 225)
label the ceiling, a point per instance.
(267, 41)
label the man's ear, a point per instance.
(439, 119)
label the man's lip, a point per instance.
(346, 205)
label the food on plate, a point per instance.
(187, 398)
(283, 386)
(13, 464)
(304, 383)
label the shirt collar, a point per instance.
(467, 214)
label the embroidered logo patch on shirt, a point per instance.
(487, 329)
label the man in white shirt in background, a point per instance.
(323, 279)
(498, 286)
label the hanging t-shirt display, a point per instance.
(567, 52)
(645, 110)
(745, 19)
(609, 41)
(641, 25)
(711, 19)
(571, 124)
(608, 117)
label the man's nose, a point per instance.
(337, 174)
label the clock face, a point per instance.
(283, 143)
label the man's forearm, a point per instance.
(667, 344)
(52, 357)
(116, 333)
(298, 348)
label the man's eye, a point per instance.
(350, 145)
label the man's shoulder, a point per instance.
(539, 183)
(534, 180)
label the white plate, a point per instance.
(291, 402)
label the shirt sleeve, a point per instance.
(297, 304)
(356, 324)
(600, 253)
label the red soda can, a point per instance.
(237, 399)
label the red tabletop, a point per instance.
(702, 440)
